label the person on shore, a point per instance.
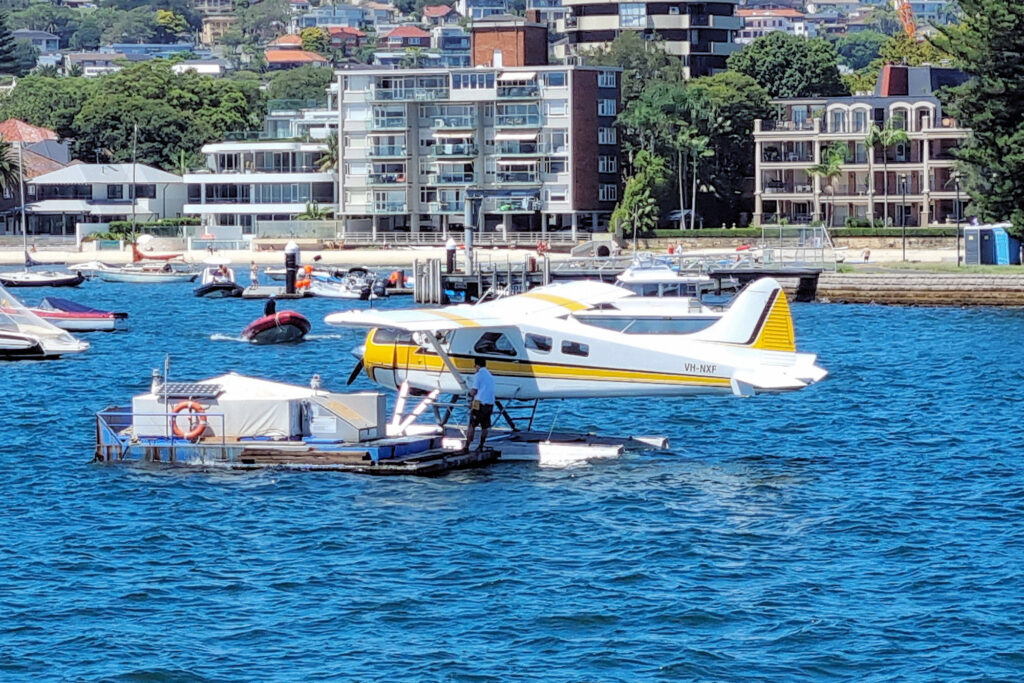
(866, 254)
(254, 274)
(449, 250)
(482, 394)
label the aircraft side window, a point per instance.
(538, 342)
(384, 335)
(571, 348)
(494, 343)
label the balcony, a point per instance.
(381, 208)
(517, 121)
(512, 205)
(389, 123)
(763, 126)
(517, 177)
(451, 178)
(447, 207)
(518, 92)
(454, 150)
(453, 122)
(519, 149)
(410, 94)
(384, 151)
(774, 156)
(386, 179)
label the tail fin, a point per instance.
(758, 318)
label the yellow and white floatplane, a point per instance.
(555, 342)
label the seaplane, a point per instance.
(548, 343)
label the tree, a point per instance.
(9, 60)
(884, 19)
(131, 27)
(329, 159)
(638, 210)
(831, 167)
(857, 50)
(316, 39)
(26, 55)
(692, 148)
(642, 62)
(48, 102)
(170, 26)
(988, 45)
(10, 170)
(301, 83)
(790, 66)
(884, 138)
(314, 212)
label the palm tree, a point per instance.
(693, 146)
(10, 171)
(831, 167)
(314, 212)
(329, 159)
(885, 137)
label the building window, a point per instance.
(554, 166)
(632, 15)
(608, 192)
(115, 191)
(554, 79)
(555, 193)
(606, 107)
(606, 79)
(606, 136)
(607, 164)
(557, 108)
(147, 191)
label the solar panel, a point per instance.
(191, 390)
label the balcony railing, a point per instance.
(452, 122)
(512, 205)
(517, 177)
(776, 157)
(410, 94)
(447, 207)
(386, 179)
(389, 123)
(388, 151)
(387, 207)
(451, 178)
(518, 91)
(517, 121)
(519, 149)
(454, 150)
(768, 126)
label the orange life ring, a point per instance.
(196, 415)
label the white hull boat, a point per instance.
(41, 278)
(24, 335)
(154, 273)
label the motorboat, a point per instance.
(41, 278)
(155, 272)
(355, 283)
(24, 335)
(76, 317)
(650, 276)
(217, 280)
(651, 315)
(277, 328)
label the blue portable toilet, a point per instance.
(1006, 248)
(972, 246)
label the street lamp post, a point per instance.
(959, 216)
(903, 213)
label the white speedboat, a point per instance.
(138, 272)
(355, 283)
(68, 315)
(24, 335)
(217, 281)
(651, 276)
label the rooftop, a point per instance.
(16, 130)
(84, 174)
(437, 10)
(407, 32)
(277, 56)
(780, 12)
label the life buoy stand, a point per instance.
(196, 417)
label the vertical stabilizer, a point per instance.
(758, 318)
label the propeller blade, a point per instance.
(355, 372)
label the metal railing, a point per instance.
(451, 178)
(454, 150)
(388, 151)
(518, 91)
(517, 121)
(116, 436)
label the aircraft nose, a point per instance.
(358, 351)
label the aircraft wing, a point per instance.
(542, 302)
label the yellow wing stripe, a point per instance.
(559, 300)
(456, 318)
(777, 331)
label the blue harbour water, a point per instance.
(868, 528)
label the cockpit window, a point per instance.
(494, 344)
(384, 335)
(571, 348)
(538, 342)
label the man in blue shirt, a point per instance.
(482, 394)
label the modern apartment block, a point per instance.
(506, 148)
(702, 34)
(912, 183)
(272, 174)
(760, 22)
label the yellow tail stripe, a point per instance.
(777, 331)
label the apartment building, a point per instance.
(911, 184)
(761, 22)
(271, 174)
(498, 147)
(702, 34)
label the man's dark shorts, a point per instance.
(481, 416)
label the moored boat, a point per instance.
(277, 328)
(160, 272)
(75, 317)
(217, 281)
(24, 335)
(41, 278)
